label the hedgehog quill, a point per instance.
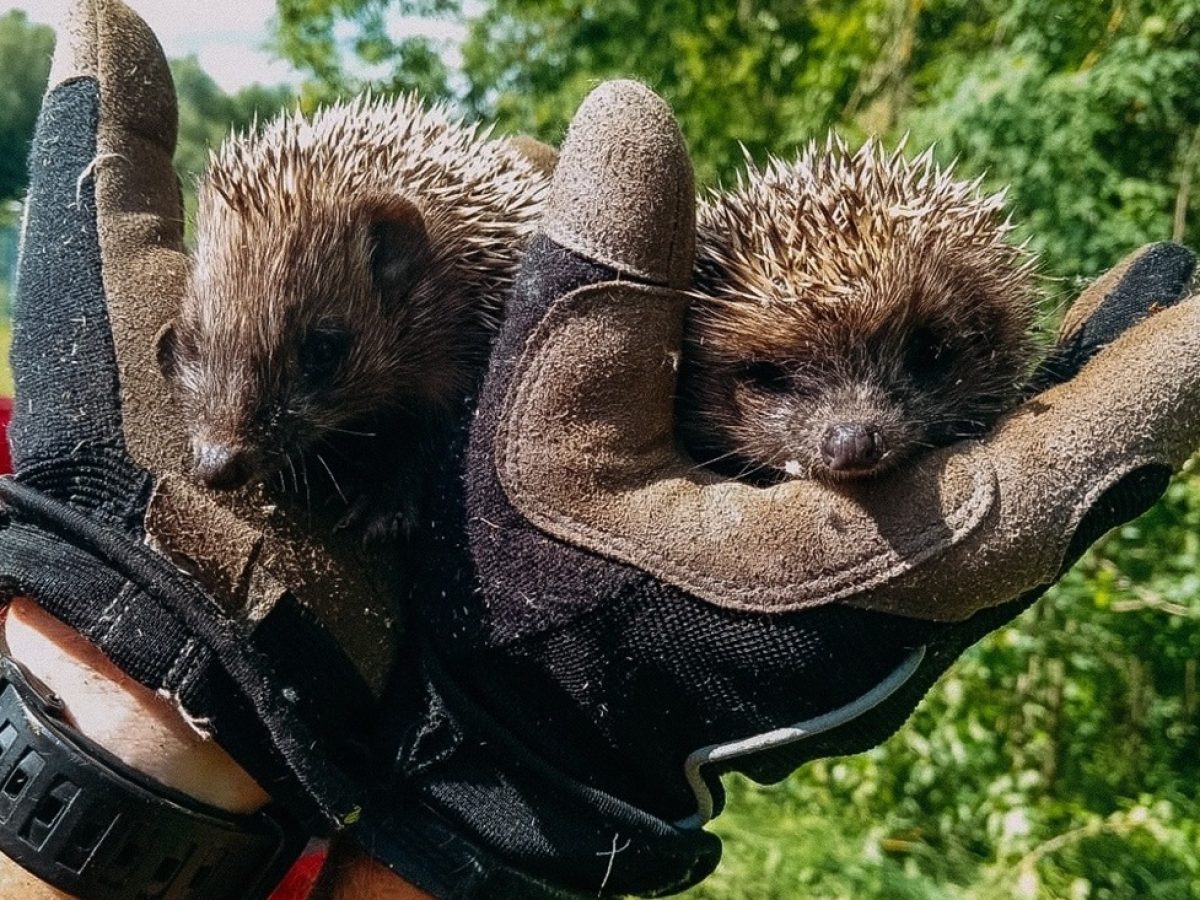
(850, 309)
(349, 272)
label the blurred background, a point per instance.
(1061, 757)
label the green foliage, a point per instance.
(25, 63)
(308, 35)
(1087, 109)
(1096, 127)
(755, 74)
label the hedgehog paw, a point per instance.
(380, 519)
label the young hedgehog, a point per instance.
(850, 309)
(349, 272)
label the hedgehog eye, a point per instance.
(322, 353)
(766, 376)
(926, 353)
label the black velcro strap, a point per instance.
(82, 821)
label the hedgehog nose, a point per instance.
(220, 466)
(851, 446)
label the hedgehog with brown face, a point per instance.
(849, 310)
(349, 272)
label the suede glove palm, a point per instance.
(605, 629)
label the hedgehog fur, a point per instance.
(859, 290)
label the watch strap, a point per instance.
(81, 820)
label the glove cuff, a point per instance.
(475, 799)
(430, 853)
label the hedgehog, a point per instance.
(349, 272)
(848, 310)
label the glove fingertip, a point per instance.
(1154, 277)
(134, 76)
(1157, 274)
(623, 193)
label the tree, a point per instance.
(25, 50)
(1087, 109)
(307, 34)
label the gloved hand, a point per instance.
(605, 628)
(268, 630)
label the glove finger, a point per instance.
(623, 193)
(141, 221)
(73, 351)
(1147, 280)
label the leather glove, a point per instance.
(264, 627)
(605, 629)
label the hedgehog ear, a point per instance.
(166, 350)
(400, 249)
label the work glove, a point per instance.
(266, 628)
(603, 628)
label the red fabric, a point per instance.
(301, 878)
(5, 415)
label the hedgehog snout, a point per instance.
(222, 466)
(852, 447)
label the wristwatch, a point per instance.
(78, 818)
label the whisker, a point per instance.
(328, 471)
(367, 434)
(307, 487)
(291, 465)
(752, 468)
(717, 459)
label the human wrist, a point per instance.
(147, 733)
(142, 729)
(350, 874)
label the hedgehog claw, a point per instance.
(382, 520)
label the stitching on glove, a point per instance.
(119, 604)
(599, 253)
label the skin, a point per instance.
(147, 733)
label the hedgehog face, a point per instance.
(844, 406)
(848, 311)
(295, 331)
